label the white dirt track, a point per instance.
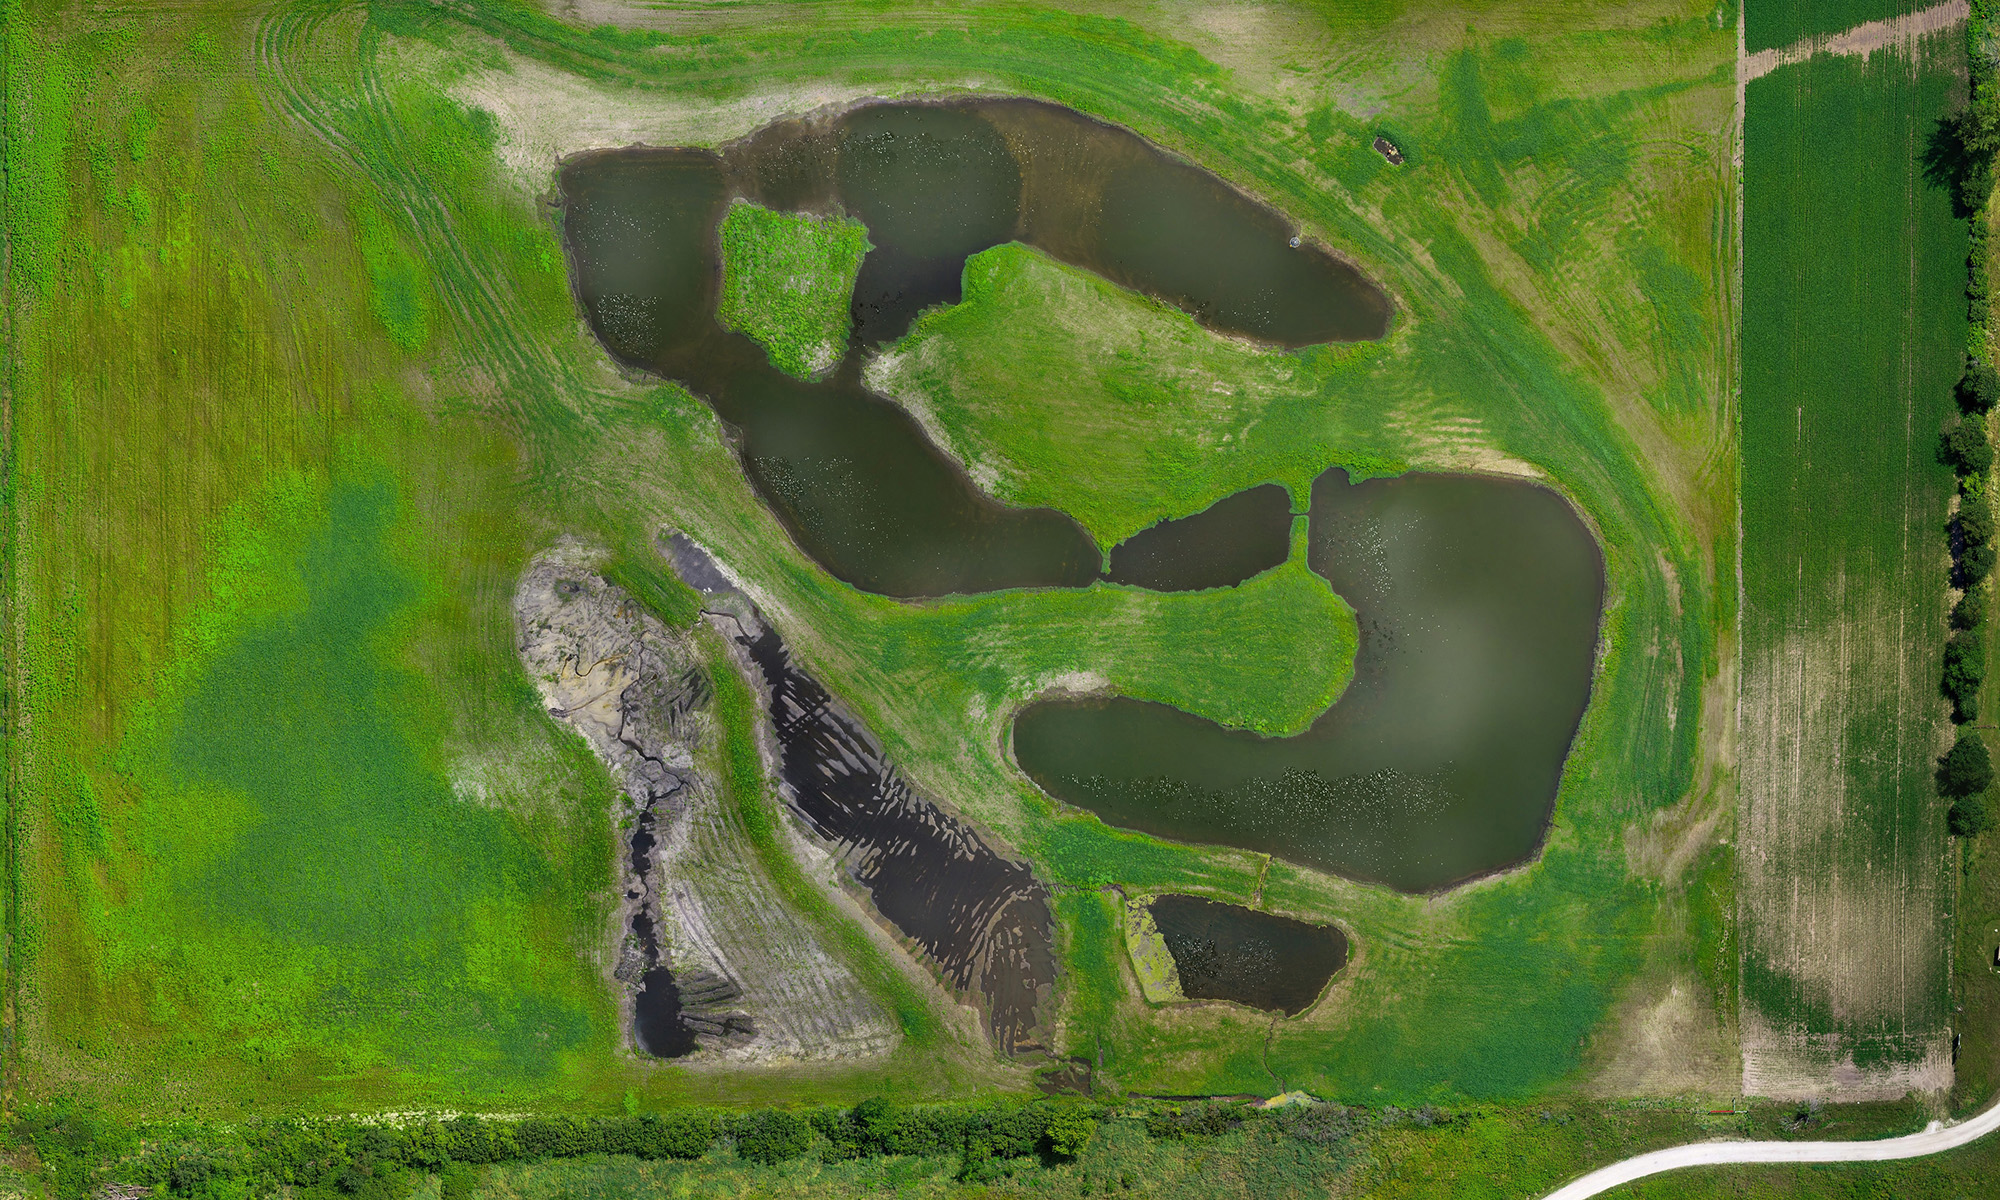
(1933, 1140)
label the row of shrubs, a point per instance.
(80, 1150)
(1965, 772)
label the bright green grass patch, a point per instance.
(1094, 985)
(786, 282)
(398, 285)
(1058, 388)
(1270, 654)
(1537, 969)
(300, 884)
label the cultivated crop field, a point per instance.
(1845, 888)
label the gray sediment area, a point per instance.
(708, 961)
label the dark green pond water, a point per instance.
(1478, 603)
(852, 477)
(1220, 546)
(1228, 952)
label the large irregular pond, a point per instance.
(853, 478)
(1478, 598)
(1477, 601)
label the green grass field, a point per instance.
(296, 388)
(1848, 365)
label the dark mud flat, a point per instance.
(853, 478)
(1258, 959)
(981, 919)
(1221, 546)
(1478, 602)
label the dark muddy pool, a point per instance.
(1220, 546)
(853, 478)
(1259, 959)
(980, 918)
(1478, 602)
(657, 1015)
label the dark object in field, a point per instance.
(854, 479)
(981, 919)
(1966, 769)
(1221, 546)
(1387, 149)
(1258, 959)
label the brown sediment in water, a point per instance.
(980, 919)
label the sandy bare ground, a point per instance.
(1863, 40)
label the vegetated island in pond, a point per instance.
(854, 479)
(1478, 603)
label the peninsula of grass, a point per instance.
(786, 282)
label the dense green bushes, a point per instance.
(1963, 775)
(1961, 157)
(80, 1149)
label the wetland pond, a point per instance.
(1259, 959)
(1477, 601)
(853, 477)
(1477, 598)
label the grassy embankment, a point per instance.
(253, 317)
(1854, 326)
(786, 279)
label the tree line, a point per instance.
(1961, 157)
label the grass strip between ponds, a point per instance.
(744, 781)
